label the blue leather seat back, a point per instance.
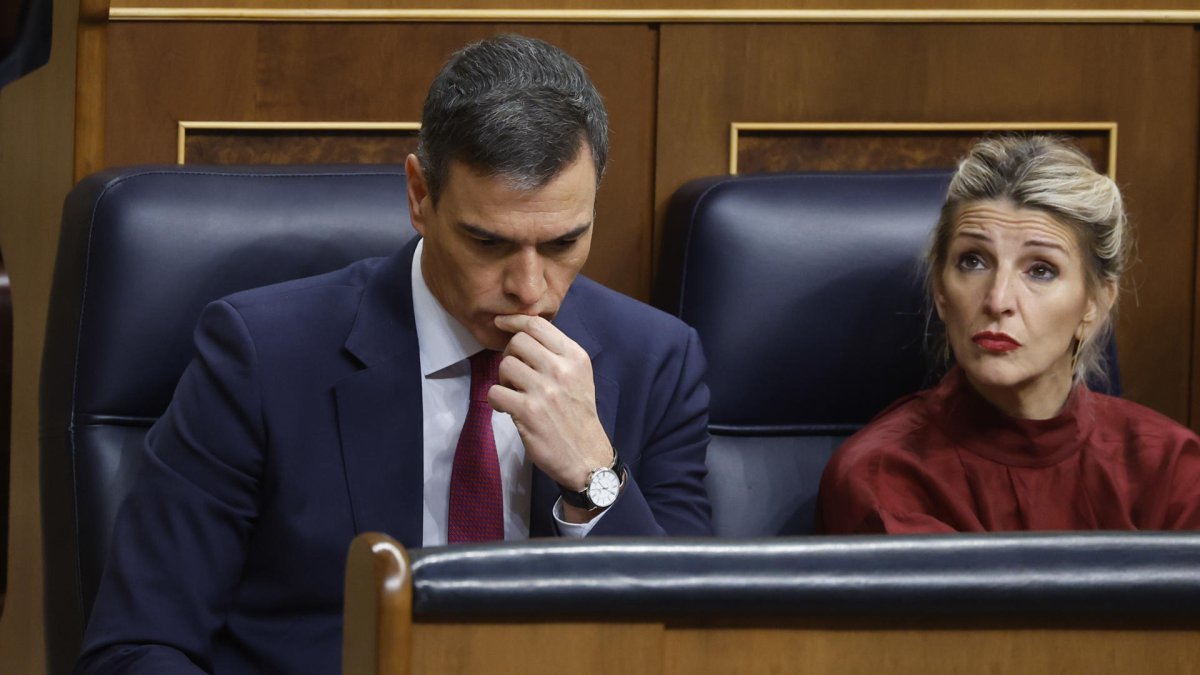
(805, 288)
(807, 292)
(763, 486)
(141, 252)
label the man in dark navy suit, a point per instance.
(469, 387)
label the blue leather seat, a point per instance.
(808, 294)
(142, 250)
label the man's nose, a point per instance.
(525, 279)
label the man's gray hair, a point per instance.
(514, 107)
(1048, 174)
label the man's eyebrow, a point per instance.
(575, 233)
(483, 233)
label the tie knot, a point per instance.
(485, 371)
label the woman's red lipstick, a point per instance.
(995, 342)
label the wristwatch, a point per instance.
(601, 489)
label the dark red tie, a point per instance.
(476, 503)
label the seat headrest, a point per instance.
(804, 288)
(143, 250)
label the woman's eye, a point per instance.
(1043, 272)
(970, 261)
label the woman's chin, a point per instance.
(993, 373)
(998, 374)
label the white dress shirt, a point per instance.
(446, 347)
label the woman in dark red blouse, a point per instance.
(1023, 272)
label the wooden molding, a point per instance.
(94, 11)
(631, 15)
(378, 607)
(90, 83)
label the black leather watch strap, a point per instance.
(579, 499)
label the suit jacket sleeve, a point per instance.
(179, 541)
(664, 493)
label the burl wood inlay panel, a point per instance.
(760, 151)
(266, 146)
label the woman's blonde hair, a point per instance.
(1051, 175)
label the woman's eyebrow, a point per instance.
(1044, 243)
(973, 234)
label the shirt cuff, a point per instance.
(573, 530)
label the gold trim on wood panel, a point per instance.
(657, 15)
(736, 128)
(185, 126)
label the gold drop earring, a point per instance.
(1075, 353)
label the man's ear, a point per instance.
(420, 204)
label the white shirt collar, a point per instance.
(442, 340)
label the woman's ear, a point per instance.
(1098, 306)
(939, 296)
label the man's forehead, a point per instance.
(489, 206)
(515, 179)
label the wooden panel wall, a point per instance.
(900, 650)
(1142, 77)
(862, 647)
(36, 139)
(158, 74)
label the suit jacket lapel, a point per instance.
(379, 407)
(571, 322)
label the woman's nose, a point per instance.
(999, 298)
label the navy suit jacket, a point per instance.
(298, 425)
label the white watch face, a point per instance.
(604, 487)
